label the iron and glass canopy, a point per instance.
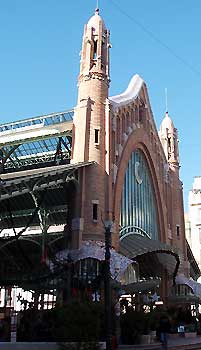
(35, 215)
(37, 196)
(153, 256)
(37, 190)
(36, 142)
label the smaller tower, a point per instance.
(169, 139)
(174, 193)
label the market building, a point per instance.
(66, 176)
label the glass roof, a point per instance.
(44, 120)
(39, 150)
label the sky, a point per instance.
(40, 42)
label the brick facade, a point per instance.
(106, 131)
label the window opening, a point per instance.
(199, 229)
(95, 211)
(95, 50)
(96, 138)
(169, 144)
(178, 230)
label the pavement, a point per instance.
(173, 344)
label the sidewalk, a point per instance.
(173, 344)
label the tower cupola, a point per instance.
(95, 22)
(93, 85)
(167, 123)
(95, 50)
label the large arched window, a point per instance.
(138, 204)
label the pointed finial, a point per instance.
(166, 101)
(97, 8)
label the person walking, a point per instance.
(164, 330)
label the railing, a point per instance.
(37, 159)
(133, 229)
(44, 120)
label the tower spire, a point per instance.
(166, 100)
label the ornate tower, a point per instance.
(92, 125)
(93, 84)
(169, 139)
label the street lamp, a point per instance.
(107, 288)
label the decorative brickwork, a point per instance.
(107, 131)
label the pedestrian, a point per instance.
(164, 330)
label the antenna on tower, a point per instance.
(97, 4)
(166, 100)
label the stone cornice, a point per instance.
(94, 75)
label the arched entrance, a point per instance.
(140, 212)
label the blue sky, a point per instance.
(40, 41)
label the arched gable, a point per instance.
(135, 129)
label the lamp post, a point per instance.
(107, 287)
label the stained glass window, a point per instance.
(138, 204)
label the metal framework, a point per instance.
(36, 180)
(37, 189)
(36, 142)
(42, 199)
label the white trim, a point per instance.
(130, 94)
